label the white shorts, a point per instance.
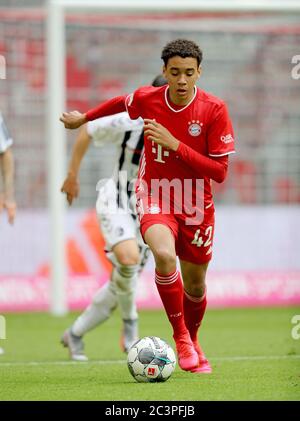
(116, 224)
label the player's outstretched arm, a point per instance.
(7, 198)
(73, 119)
(71, 184)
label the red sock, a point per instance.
(194, 309)
(170, 289)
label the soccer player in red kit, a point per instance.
(188, 137)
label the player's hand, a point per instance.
(160, 135)
(71, 188)
(11, 209)
(73, 119)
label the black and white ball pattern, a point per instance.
(151, 359)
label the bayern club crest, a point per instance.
(195, 127)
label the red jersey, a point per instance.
(203, 124)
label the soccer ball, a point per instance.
(151, 359)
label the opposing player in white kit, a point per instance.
(7, 200)
(124, 243)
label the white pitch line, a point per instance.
(102, 362)
(256, 358)
(78, 363)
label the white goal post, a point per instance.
(56, 86)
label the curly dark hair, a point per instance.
(182, 48)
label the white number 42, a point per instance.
(198, 240)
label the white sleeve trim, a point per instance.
(128, 101)
(116, 123)
(5, 140)
(222, 154)
(5, 145)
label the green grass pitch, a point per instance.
(252, 352)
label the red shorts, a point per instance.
(193, 242)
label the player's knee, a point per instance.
(196, 287)
(164, 258)
(127, 253)
(128, 259)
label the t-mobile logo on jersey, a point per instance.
(2, 67)
(160, 153)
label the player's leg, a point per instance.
(194, 298)
(194, 305)
(100, 309)
(114, 230)
(161, 241)
(195, 252)
(124, 276)
(119, 230)
(119, 289)
(103, 303)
